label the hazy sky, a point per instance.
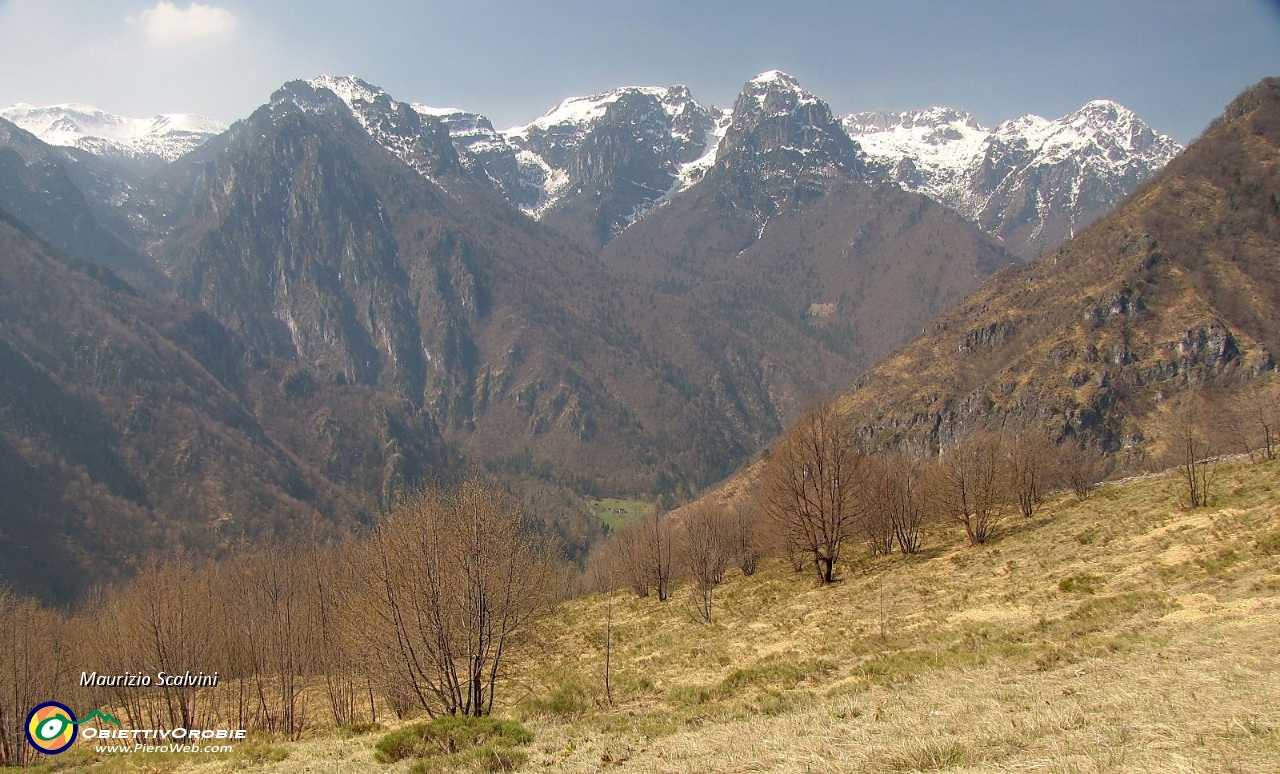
(1175, 62)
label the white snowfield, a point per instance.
(167, 136)
(948, 151)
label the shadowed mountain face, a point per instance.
(65, 196)
(1176, 291)
(131, 425)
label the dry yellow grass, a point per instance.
(1118, 634)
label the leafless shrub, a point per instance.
(1080, 469)
(446, 584)
(1192, 454)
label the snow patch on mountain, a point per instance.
(560, 150)
(580, 111)
(418, 139)
(74, 125)
(695, 170)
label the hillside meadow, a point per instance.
(1118, 633)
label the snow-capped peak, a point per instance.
(418, 139)
(348, 88)
(76, 125)
(775, 77)
(583, 111)
(559, 152)
(776, 91)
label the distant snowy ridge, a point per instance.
(85, 127)
(1031, 180)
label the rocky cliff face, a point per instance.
(783, 145)
(340, 230)
(783, 239)
(605, 160)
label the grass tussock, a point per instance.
(452, 743)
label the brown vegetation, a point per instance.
(423, 616)
(814, 488)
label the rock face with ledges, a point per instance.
(603, 161)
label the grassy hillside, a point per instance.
(1122, 633)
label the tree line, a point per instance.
(823, 493)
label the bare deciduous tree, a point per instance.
(1031, 457)
(1192, 455)
(877, 516)
(33, 668)
(658, 551)
(706, 549)
(969, 486)
(813, 484)
(897, 493)
(448, 582)
(746, 537)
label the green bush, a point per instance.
(1082, 582)
(567, 699)
(467, 738)
(1220, 562)
(1269, 544)
(258, 754)
(359, 729)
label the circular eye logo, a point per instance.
(51, 727)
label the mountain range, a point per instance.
(629, 296)
(1030, 181)
(162, 137)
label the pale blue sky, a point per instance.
(1175, 62)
